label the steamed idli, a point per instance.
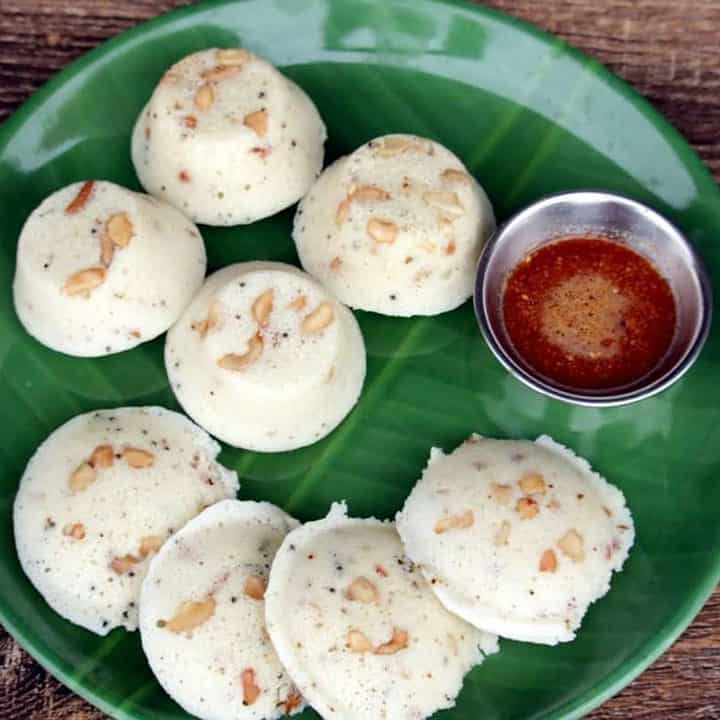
(518, 538)
(100, 495)
(396, 227)
(265, 359)
(101, 269)
(358, 628)
(227, 138)
(202, 615)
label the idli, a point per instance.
(202, 615)
(227, 138)
(518, 538)
(100, 495)
(265, 359)
(358, 628)
(396, 227)
(101, 269)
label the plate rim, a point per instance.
(636, 663)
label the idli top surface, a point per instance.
(396, 227)
(227, 138)
(100, 495)
(358, 628)
(202, 615)
(516, 537)
(101, 269)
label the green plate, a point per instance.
(529, 116)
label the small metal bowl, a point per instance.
(615, 217)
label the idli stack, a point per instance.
(516, 537)
(358, 628)
(227, 138)
(265, 358)
(101, 269)
(202, 615)
(396, 227)
(100, 496)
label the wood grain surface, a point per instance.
(669, 50)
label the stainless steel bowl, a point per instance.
(605, 215)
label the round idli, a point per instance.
(358, 628)
(396, 227)
(101, 269)
(100, 495)
(227, 138)
(265, 359)
(202, 615)
(518, 538)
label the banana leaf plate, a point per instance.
(529, 116)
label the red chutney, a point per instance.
(589, 312)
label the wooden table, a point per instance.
(668, 49)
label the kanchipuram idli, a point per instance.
(358, 628)
(100, 496)
(516, 537)
(101, 269)
(396, 227)
(202, 615)
(227, 138)
(265, 358)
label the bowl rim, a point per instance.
(597, 399)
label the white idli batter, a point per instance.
(100, 495)
(101, 269)
(518, 538)
(227, 138)
(202, 615)
(396, 227)
(358, 628)
(265, 359)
